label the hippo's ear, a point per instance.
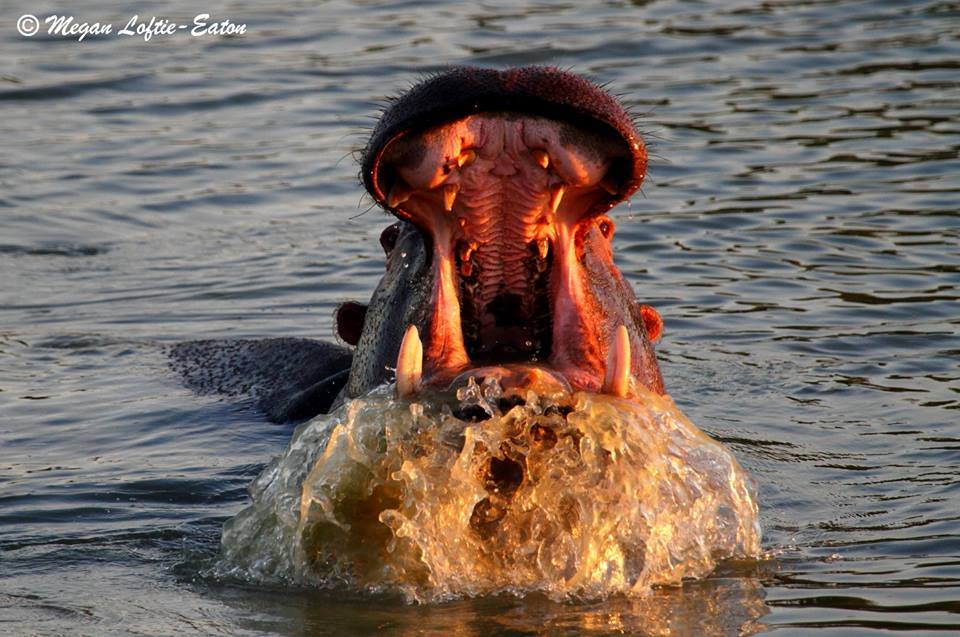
(651, 322)
(350, 317)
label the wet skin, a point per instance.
(501, 258)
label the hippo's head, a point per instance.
(500, 267)
(501, 259)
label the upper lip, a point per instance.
(534, 90)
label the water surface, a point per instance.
(799, 233)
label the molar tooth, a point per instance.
(616, 379)
(543, 247)
(410, 364)
(541, 157)
(555, 197)
(398, 195)
(466, 251)
(450, 195)
(466, 158)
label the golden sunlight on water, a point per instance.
(573, 496)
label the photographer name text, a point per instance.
(66, 26)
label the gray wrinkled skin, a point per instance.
(295, 379)
(285, 378)
(401, 299)
(291, 379)
(615, 300)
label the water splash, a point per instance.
(574, 496)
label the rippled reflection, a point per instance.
(798, 233)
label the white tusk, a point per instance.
(616, 380)
(410, 364)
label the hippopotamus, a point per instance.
(499, 262)
(527, 443)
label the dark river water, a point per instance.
(799, 233)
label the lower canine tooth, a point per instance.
(616, 380)
(410, 364)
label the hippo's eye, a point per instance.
(606, 227)
(388, 238)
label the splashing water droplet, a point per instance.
(600, 497)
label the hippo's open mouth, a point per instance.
(507, 176)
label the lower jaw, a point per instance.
(512, 378)
(564, 350)
(414, 371)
